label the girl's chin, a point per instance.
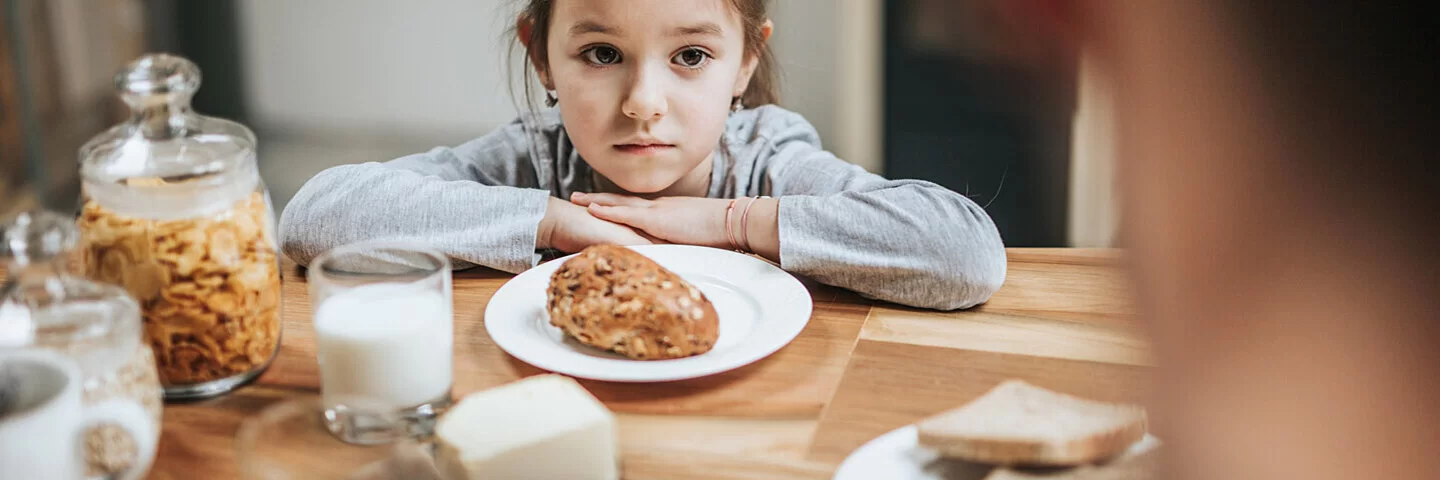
(657, 178)
(644, 186)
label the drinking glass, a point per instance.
(384, 334)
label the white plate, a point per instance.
(761, 308)
(898, 456)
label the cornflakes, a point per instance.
(209, 288)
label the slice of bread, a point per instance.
(1016, 423)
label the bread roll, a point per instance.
(613, 298)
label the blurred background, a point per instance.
(949, 91)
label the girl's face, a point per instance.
(645, 86)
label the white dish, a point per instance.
(898, 456)
(761, 309)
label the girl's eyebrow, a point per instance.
(701, 29)
(708, 29)
(590, 26)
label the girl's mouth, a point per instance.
(644, 148)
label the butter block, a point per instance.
(544, 427)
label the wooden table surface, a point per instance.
(859, 369)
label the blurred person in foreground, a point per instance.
(1278, 163)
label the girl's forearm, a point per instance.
(759, 228)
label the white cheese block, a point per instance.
(544, 427)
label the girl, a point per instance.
(652, 142)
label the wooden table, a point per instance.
(858, 370)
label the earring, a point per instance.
(550, 99)
(735, 105)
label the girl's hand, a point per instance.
(688, 220)
(570, 228)
(691, 220)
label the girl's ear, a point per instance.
(524, 28)
(751, 62)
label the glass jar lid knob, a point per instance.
(157, 74)
(158, 88)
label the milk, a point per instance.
(386, 344)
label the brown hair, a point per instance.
(764, 87)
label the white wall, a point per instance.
(830, 52)
(428, 68)
(434, 68)
(805, 40)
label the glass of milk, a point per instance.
(384, 334)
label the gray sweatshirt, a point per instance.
(904, 241)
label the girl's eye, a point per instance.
(691, 58)
(602, 55)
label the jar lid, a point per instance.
(193, 159)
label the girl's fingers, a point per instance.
(622, 215)
(637, 238)
(634, 218)
(651, 238)
(607, 199)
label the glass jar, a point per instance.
(174, 211)
(45, 305)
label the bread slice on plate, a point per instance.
(1017, 423)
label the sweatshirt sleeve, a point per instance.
(905, 241)
(478, 203)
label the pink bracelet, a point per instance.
(745, 224)
(729, 233)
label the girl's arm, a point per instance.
(479, 203)
(908, 242)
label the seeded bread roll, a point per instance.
(612, 298)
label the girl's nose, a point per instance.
(646, 98)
